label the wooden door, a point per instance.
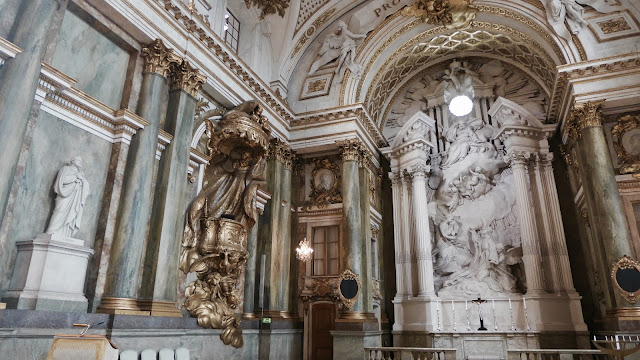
(322, 322)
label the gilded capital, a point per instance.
(351, 149)
(159, 59)
(584, 116)
(186, 77)
(281, 152)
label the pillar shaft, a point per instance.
(135, 205)
(396, 188)
(19, 81)
(531, 251)
(267, 229)
(352, 213)
(250, 271)
(422, 232)
(170, 202)
(367, 260)
(285, 240)
(405, 234)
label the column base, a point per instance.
(352, 336)
(126, 306)
(626, 319)
(49, 275)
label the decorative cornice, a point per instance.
(351, 149)
(159, 59)
(186, 77)
(8, 50)
(602, 66)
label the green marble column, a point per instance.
(135, 204)
(31, 31)
(367, 261)
(250, 271)
(599, 180)
(170, 199)
(354, 235)
(285, 240)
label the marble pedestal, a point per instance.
(351, 337)
(49, 274)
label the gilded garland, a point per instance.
(626, 142)
(219, 218)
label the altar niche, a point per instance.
(479, 220)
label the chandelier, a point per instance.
(304, 252)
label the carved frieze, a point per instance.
(626, 142)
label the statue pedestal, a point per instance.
(49, 274)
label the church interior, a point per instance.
(319, 179)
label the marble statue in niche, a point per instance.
(219, 218)
(340, 45)
(573, 12)
(72, 189)
(477, 241)
(458, 80)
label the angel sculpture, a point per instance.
(340, 45)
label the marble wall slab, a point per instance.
(55, 142)
(97, 63)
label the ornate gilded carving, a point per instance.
(351, 149)
(158, 58)
(583, 116)
(219, 218)
(626, 142)
(452, 14)
(187, 78)
(625, 274)
(325, 183)
(282, 152)
(614, 25)
(347, 301)
(269, 6)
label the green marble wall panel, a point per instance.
(55, 142)
(8, 12)
(98, 64)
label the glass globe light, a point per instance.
(460, 105)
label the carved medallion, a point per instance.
(325, 183)
(626, 142)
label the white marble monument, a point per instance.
(50, 270)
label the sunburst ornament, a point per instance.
(304, 252)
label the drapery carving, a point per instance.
(219, 218)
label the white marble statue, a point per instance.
(340, 45)
(572, 10)
(477, 241)
(72, 189)
(458, 80)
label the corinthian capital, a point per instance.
(585, 115)
(186, 77)
(518, 158)
(282, 152)
(159, 59)
(351, 149)
(418, 170)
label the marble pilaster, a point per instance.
(250, 271)
(367, 276)
(530, 248)
(170, 199)
(268, 231)
(122, 278)
(31, 31)
(285, 254)
(396, 189)
(423, 233)
(352, 212)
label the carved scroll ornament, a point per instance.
(452, 14)
(219, 218)
(626, 142)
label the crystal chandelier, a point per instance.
(304, 252)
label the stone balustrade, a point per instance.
(555, 354)
(149, 354)
(402, 353)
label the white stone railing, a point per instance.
(163, 354)
(405, 353)
(556, 354)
